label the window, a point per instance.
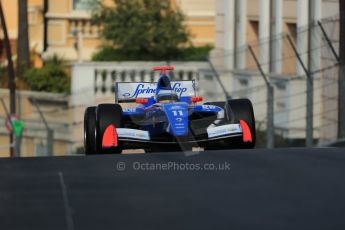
(84, 5)
(253, 31)
(292, 28)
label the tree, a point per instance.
(341, 116)
(23, 50)
(143, 29)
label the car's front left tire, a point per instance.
(237, 110)
(242, 109)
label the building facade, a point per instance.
(239, 23)
(272, 28)
(56, 27)
(35, 22)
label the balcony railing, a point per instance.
(85, 26)
(77, 22)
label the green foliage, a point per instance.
(141, 29)
(195, 53)
(50, 78)
(55, 60)
(108, 53)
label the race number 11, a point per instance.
(178, 113)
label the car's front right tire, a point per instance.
(106, 115)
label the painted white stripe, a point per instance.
(224, 130)
(133, 133)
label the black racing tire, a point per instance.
(108, 114)
(89, 130)
(240, 109)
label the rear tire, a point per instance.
(108, 114)
(89, 130)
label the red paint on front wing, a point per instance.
(110, 137)
(247, 134)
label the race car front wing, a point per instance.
(213, 134)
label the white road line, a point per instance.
(68, 211)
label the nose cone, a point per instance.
(177, 115)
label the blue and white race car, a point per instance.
(166, 116)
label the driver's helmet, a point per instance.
(165, 93)
(167, 96)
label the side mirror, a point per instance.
(142, 101)
(196, 99)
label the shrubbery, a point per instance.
(108, 53)
(50, 78)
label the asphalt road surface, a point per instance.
(239, 189)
